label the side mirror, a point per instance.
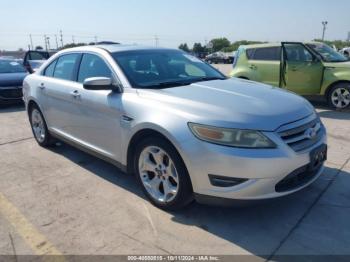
(100, 83)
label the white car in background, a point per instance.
(345, 51)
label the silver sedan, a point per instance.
(184, 129)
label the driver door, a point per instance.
(301, 72)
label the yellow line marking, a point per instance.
(38, 242)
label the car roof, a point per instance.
(275, 44)
(114, 48)
(9, 59)
(261, 45)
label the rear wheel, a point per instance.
(39, 127)
(339, 96)
(162, 174)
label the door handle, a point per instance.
(75, 93)
(42, 86)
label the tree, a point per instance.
(184, 47)
(72, 45)
(198, 48)
(339, 44)
(220, 43)
(234, 46)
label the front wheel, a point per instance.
(162, 174)
(339, 96)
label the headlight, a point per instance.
(231, 137)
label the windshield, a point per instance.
(11, 66)
(327, 53)
(163, 68)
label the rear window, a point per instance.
(265, 54)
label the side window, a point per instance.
(93, 66)
(33, 55)
(297, 53)
(250, 53)
(65, 67)
(267, 54)
(50, 69)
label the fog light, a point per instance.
(221, 181)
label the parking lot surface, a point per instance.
(63, 201)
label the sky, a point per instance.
(172, 21)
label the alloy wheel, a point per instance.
(158, 174)
(341, 97)
(38, 125)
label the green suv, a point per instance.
(307, 69)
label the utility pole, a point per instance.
(73, 39)
(61, 38)
(31, 42)
(48, 43)
(324, 24)
(156, 39)
(96, 40)
(56, 42)
(45, 39)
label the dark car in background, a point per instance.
(12, 74)
(220, 58)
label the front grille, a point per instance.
(296, 179)
(11, 93)
(303, 136)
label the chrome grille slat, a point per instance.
(298, 129)
(302, 135)
(299, 139)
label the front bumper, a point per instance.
(264, 169)
(9, 95)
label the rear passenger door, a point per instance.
(58, 85)
(264, 64)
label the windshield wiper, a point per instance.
(167, 84)
(207, 78)
(336, 61)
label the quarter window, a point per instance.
(65, 67)
(93, 66)
(50, 69)
(265, 54)
(250, 53)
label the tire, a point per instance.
(39, 127)
(339, 96)
(156, 180)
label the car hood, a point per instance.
(12, 79)
(233, 103)
(338, 64)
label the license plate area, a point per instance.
(317, 157)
